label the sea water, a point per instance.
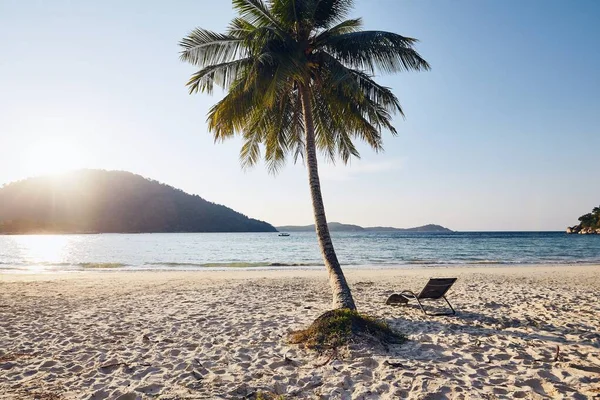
(201, 251)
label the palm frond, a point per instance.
(333, 127)
(275, 151)
(347, 26)
(274, 47)
(326, 131)
(357, 83)
(327, 12)
(230, 115)
(203, 47)
(346, 114)
(223, 75)
(250, 152)
(256, 13)
(280, 126)
(240, 28)
(375, 50)
(254, 38)
(287, 12)
(310, 15)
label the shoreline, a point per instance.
(35, 270)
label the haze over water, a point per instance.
(200, 251)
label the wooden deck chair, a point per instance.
(435, 289)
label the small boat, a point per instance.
(284, 234)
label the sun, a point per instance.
(53, 156)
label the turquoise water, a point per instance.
(39, 253)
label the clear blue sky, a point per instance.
(502, 134)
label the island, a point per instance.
(99, 201)
(339, 227)
(589, 224)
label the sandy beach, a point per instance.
(520, 332)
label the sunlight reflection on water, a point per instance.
(38, 249)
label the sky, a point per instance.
(501, 134)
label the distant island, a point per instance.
(588, 223)
(98, 201)
(338, 227)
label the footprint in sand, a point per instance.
(99, 395)
(47, 364)
(127, 396)
(151, 389)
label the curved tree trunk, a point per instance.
(342, 297)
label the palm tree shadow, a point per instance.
(492, 319)
(479, 345)
(479, 325)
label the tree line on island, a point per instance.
(588, 223)
(97, 201)
(338, 227)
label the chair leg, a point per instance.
(421, 306)
(408, 293)
(437, 314)
(450, 305)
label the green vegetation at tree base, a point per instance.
(336, 328)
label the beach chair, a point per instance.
(435, 289)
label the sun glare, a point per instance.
(52, 157)
(41, 250)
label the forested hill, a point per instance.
(338, 227)
(97, 201)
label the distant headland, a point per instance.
(98, 201)
(338, 227)
(588, 223)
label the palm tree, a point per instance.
(298, 78)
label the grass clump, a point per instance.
(339, 327)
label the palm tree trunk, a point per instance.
(342, 297)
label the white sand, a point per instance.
(198, 335)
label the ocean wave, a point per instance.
(101, 265)
(238, 264)
(30, 266)
(494, 262)
(455, 262)
(61, 265)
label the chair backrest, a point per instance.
(436, 288)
